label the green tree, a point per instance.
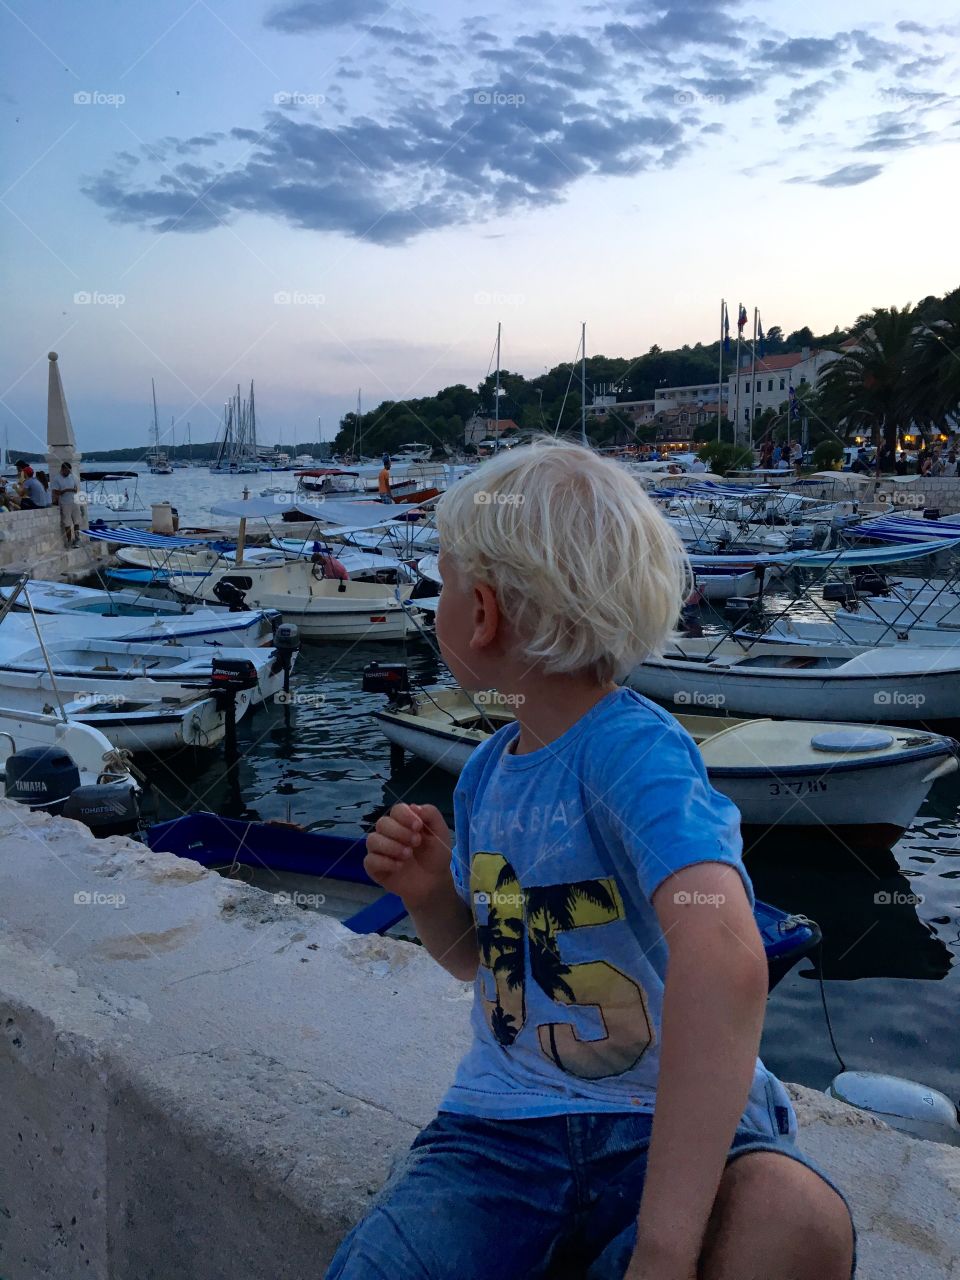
(866, 389)
(722, 457)
(934, 381)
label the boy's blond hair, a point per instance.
(583, 565)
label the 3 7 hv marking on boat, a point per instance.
(803, 787)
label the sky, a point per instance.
(332, 195)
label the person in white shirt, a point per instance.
(64, 489)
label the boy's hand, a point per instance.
(408, 852)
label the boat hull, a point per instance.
(866, 804)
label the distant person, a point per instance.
(776, 456)
(698, 464)
(859, 466)
(329, 565)
(926, 465)
(766, 454)
(64, 489)
(383, 481)
(950, 466)
(786, 454)
(32, 494)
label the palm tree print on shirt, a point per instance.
(516, 926)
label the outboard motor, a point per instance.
(840, 592)
(390, 678)
(47, 779)
(106, 808)
(230, 676)
(286, 639)
(231, 592)
(41, 778)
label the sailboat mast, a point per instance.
(359, 448)
(496, 396)
(255, 457)
(156, 420)
(583, 384)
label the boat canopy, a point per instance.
(326, 511)
(127, 537)
(862, 555)
(907, 529)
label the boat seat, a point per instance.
(852, 740)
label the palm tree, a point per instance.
(935, 380)
(867, 390)
(551, 909)
(501, 942)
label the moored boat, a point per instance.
(863, 783)
(223, 842)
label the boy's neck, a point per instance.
(547, 706)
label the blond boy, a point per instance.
(611, 1119)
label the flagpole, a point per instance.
(736, 420)
(753, 370)
(723, 311)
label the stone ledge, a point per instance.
(203, 1084)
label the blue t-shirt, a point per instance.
(559, 853)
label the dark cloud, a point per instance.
(320, 15)
(804, 53)
(851, 175)
(798, 104)
(458, 134)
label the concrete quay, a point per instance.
(198, 1082)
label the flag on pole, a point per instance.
(741, 320)
(726, 328)
(760, 336)
(794, 403)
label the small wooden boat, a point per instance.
(864, 784)
(226, 842)
(845, 682)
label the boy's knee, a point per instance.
(772, 1208)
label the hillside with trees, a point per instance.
(922, 367)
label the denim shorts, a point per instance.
(554, 1198)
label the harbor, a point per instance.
(262, 650)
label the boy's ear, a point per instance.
(486, 616)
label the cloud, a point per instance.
(321, 15)
(457, 133)
(805, 53)
(851, 175)
(798, 104)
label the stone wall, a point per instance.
(31, 541)
(198, 1082)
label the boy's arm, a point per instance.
(408, 852)
(714, 1000)
(445, 927)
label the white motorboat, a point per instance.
(837, 682)
(322, 608)
(142, 697)
(863, 783)
(852, 628)
(198, 562)
(97, 614)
